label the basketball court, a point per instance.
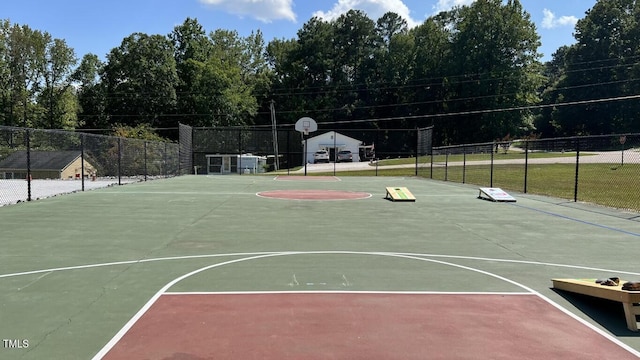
(291, 267)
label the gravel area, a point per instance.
(15, 191)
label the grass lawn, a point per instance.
(478, 157)
(603, 184)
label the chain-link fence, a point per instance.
(185, 149)
(596, 169)
(236, 150)
(37, 163)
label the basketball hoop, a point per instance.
(306, 125)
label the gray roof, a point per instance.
(40, 160)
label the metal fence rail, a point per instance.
(36, 163)
(208, 143)
(595, 169)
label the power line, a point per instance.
(485, 111)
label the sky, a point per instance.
(97, 26)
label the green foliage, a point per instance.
(90, 93)
(474, 58)
(494, 57)
(140, 81)
(141, 132)
(601, 65)
(34, 78)
(472, 72)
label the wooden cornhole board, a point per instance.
(615, 293)
(495, 194)
(399, 194)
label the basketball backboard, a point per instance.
(306, 125)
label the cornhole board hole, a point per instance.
(495, 194)
(399, 194)
(589, 287)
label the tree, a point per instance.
(218, 74)
(355, 41)
(57, 95)
(35, 74)
(140, 81)
(391, 71)
(191, 46)
(91, 93)
(495, 60)
(230, 67)
(23, 54)
(554, 72)
(5, 75)
(601, 65)
(286, 74)
(431, 56)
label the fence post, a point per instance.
(491, 168)
(526, 164)
(575, 188)
(375, 156)
(464, 164)
(119, 161)
(239, 163)
(431, 166)
(27, 140)
(417, 152)
(446, 166)
(288, 152)
(82, 161)
(145, 161)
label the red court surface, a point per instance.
(314, 195)
(360, 326)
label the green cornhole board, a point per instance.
(399, 194)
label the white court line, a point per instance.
(549, 301)
(199, 193)
(155, 297)
(369, 196)
(328, 252)
(178, 293)
(164, 289)
(130, 262)
(317, 178)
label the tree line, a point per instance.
(474, 73)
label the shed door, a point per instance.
(226, 164)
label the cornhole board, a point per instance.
(495, 194)
(589, 287)
(399, 194)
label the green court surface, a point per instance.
(75, 269)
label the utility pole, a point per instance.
(274, 130)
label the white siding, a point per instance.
(333, 140)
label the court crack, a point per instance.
(487, 239)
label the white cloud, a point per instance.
(263, 10)
(550, 20)
(444, 5)
(373, 8)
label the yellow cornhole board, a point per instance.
(615, 293)
(399, 194)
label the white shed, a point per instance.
(333, 142)
(233, 163)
